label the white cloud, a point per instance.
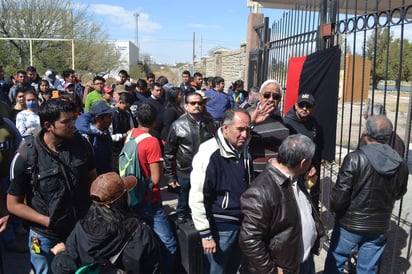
(123, 18)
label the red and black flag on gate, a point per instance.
(317, 74)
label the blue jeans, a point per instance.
(8, 237)
(370, 248)
(183, 197)
(155, 216)
(228, 255)
(41, 262)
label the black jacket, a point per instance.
(182, 143)
(309, 128)
(62, 188)
(141, 254)
(271, 234)
(369, 181)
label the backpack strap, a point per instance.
(138, 139)
(114, 258)
(29, 153)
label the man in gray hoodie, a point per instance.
(369, 182)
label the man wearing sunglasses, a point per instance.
(182, 143)
(268, 130)
(299, 119)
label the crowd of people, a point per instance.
(247, 177)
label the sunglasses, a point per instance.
(198, 103)
(305, 105)
(275, 96)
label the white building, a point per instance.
(129, 54)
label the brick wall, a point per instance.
(229, 64)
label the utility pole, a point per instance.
(201, 45)
(193, 54)
(136, 15)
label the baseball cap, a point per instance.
(306, 97)
(107, 89)
(120, 89)
(68, 85)
(109, 187)
(100, 108)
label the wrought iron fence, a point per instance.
(375, 65)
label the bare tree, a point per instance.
(54, 19)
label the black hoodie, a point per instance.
(141, 254)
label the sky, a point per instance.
(166, 27)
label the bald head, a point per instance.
(379, 129)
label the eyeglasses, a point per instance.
(305, 105)
(275, 96)
(196, 103)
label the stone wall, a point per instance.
(229, 64)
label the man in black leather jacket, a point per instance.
(281, 228)
(185, 136)
(369, 182)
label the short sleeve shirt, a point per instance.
(149, 152)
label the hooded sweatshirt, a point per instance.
(100, 140)
(383, 158)
(89, 245)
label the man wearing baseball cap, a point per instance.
(109, 232)
(94, 126)
(299, 119)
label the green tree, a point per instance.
(54, 19)
(378, 54)
(395, 72)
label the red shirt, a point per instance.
(149, 152)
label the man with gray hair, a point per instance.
(267, 133)
(281, 228)
(369, 182)
(395, 141)
(222, 171)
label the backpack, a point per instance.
(29, 153)
(7, 138)
(106, 266)
(129, 165)
(99, 268)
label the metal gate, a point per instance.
(375, 65)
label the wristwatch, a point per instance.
(208, 238)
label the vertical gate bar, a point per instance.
(285, 43)
(395, 125)
(299, 28)
(343, 94)
(374, 80)
(275, 50)
(352, 88)
(365, 11)
(387, 59)
(265, 34)
(398, 85)
(279, 51)
(306, 26)
(293, 31)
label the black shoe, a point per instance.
(181, 218)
